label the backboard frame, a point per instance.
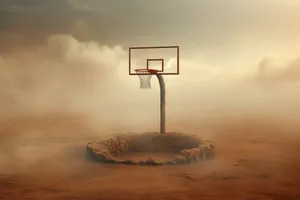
(154, 59)
(162, 61)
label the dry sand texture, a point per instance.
(144, 148)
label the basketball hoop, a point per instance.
(154, 65)
(145, 76)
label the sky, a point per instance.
(232, 30)
(205, 24)
(71, 54)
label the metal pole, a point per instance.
(162, 103)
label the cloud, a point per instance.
(90, 78)
(51, 6)
(87, 6)
(274, 71)
(64, 75)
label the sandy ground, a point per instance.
(44, 158)
(140, 156)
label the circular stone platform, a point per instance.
(189, 148)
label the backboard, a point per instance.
(164, 59)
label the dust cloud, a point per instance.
(89, 78)
(72, 89)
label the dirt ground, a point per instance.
(44, 158)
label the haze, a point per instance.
(239, 58)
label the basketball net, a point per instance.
(145, 76)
